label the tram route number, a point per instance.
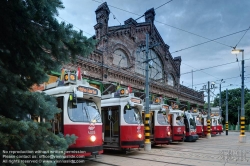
(87, 90)
(135, 100)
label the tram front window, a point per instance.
(179, 120)
(198, 121)
(162, 119)
(192, 123)
(86, 111)
(132, 116)
(220, 121)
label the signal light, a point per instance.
(169, 133)
(92, 138)
(139, 135)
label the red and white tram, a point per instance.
(175, 118)
(199, 127)
(123, 128)
(190, 126)
(219, 124)
(213, 125)
(216, 121)
(80, 104)
(159, 125)
(204, 123)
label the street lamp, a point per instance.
(242, 137)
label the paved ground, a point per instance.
(218, 151)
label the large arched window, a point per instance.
(120, 58)
(170, 80)
(155, 71)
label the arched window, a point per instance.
(155, 71)
(120, 58)
(170, 80)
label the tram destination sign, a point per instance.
(135, 100)
(87, 90)
(165, 107)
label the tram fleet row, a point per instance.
(116, 120)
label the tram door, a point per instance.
(111, 123)
(57, 122)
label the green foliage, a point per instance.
(234, 101)
(247, 111)
(32, 44)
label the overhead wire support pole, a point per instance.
(208, 113)
(220, 102)
(192, 80)
(238, 123)
(242, 118)
(242, 137)
(147, 146)
(226, 112)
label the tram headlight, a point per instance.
(139, 135)
(92, 138)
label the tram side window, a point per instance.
(162, 119)
(132, 116)
(78, 114)
(198, 121)
(179, 120)
(219, 121)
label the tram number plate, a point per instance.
(135, 100)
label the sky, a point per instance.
(187, 26)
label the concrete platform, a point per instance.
(219, 150)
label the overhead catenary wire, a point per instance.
(130, 12)
(169, 25)
(241, 38)
(219, 80)
(163, 4)
(210, 67)
(210, 41)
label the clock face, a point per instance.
(120, 58)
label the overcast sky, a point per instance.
(177, 22)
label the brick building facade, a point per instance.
(119, 58)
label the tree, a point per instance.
(234, 100)
(33, 43)
(247, 111)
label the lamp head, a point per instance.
(235, 51)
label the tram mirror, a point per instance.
(73, 101)
(128, 106)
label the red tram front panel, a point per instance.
(162, 134)
(213, 130)
(178, 133)
(84, 145)
(199, 130)
(131, 136)
(219, 129)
